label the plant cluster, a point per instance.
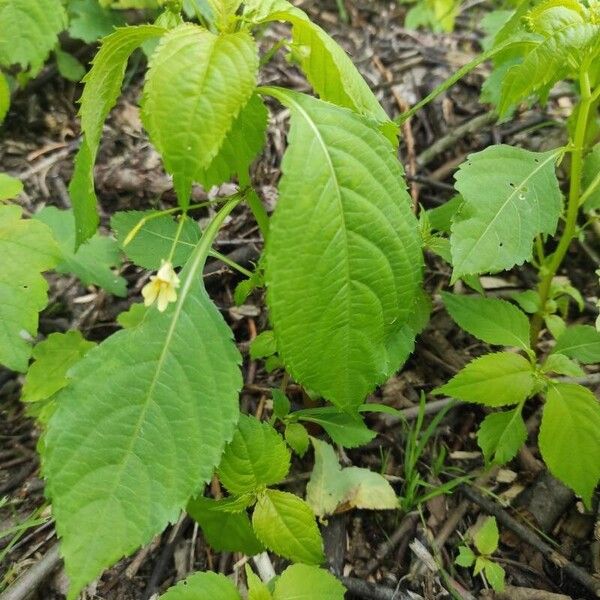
(135, 426)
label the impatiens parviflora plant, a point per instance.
(138, 424)
(508, 208)
(485, 540)
(135, 426)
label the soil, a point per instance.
(40, 138)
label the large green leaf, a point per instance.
(53, 358)
(102, 86)
(343, 262)
(256, 456)
(493, 379)
(581, 342)
(203, 586)
(285, 524)
(141, 426)
(93, 261)
(29, 30)
(492, 320)
(305, 582)
(328, 68)
(568, 437)
(510, 196)
(27, 248)
(553, 58)
(196, 86)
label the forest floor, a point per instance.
(384, 554)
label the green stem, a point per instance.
(549, 270)
(230, 263)
(160, 213)
(182, 219)
(450, 82)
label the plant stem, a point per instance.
(549, 270)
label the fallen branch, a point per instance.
(25, 585)
(372, 591)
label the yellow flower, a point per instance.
(161, 287)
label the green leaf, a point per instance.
(486, 538)
(501, 435)
(591, 170)
(559, 363)
(133, 316)
(196, 86)
(553, 58)
(304, 582)
(568, 437)
(102, 86)
(4, 106)
(581, 342)
(256, 456)
(29, 31)
(203, 586)
(154, 239)
(225, 531)
(494, 574)
(491, 320)
(241, 145)
(257, 590)
(465, 557)
(556, 325)
(510, 196)
(68, 66)
(27, 248)
(286, 525)
(281, 404)
(297, 438)
(440, 217)
(141, 426)
(344, 429)
(331, 487)
(53, 358)
(263, 345)
(93, 261)
(10, 187)
(495, 379)
(528, 300)
(343, 262)
(90, 21)
(328, 68)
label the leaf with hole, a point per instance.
(510, 196)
